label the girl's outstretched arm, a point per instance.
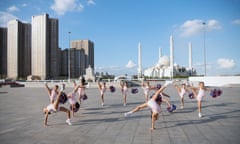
(161, 89)
(48, 89)
(75, 88)
(166, 95)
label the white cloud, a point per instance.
(213, 25)
(130, 64)
(196, 26)
(12, 9)
(5, 18)
(24, 5)
(91, 2)
(226, 63)
(63, 6)
(236, 21)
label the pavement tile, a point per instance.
(21, 119)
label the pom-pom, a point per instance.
(219, 92)
(84, 97)
(215, 93)
(112, 89)
(159, 98)
(134, 90)
(75, 108)
(191, 95)
(158, 86)
(63, 98)
(171, 108)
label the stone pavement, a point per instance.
(21, 120)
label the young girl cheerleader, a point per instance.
(72, 99)
(54, 107)
(199, 93)
(52, 93)
(146, 89)
(153, 103)
(124, 88)
(102, 88)
(81, 89)
(181, 92)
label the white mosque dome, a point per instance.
(163, 61)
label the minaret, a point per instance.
(160, 53)
(171, 55)
(190, 55)
(139, 60)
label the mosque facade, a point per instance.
(166, 67)
(162, 69)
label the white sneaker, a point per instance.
(68, 121)
(127, 114)
(199, 115)
(102, 104)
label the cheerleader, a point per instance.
(52, 93)
(153, 103)
(181, 92)
(146, 89)
(199, 93)
(102, 88)
(124, 89)
(72, 99)
(54, 107)
(80, 89)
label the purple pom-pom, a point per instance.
(219, 92)
(213, 93)
(159, 98)
(191, 95)
(112, 89)
(74, 109)
(158, 86)
(83, 97)
(134, 90)
(172, 108)
(63, 98)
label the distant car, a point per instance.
(12, 84)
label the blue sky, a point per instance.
(117, 26)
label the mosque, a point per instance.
(165, 66)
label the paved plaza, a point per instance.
(21, 120)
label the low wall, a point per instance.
(70, 85)
(217, 80)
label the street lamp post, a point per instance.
(69, 68)
(204, 48)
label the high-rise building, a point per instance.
(64, 62)
(82, 56)
(45, 51)
(3, 52)
(18, 49)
